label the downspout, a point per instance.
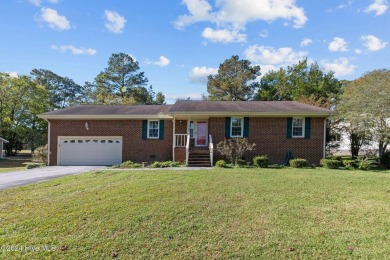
(324, 150)
(174, 139)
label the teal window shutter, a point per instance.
(227, 127)
(161, 130)
(307, 127)
(246, 127)
(289, 127)
(144, 129)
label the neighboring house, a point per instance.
(2, 152)
(106, 135)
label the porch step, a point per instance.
(199, 158)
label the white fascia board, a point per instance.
(103, 117)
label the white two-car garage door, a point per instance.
(89, 150)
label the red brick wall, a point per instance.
(181, 128)
(134, 148)
(270, 136)
(180, 154)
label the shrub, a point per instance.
(241, 163)
(365, 165)
(128, 164)
(40, 154)
(220, 164)
(349, 163)
(385, 159)
(35, 165)
(261, 161)
(298, 163)
(165, 164)
(235, 148)
(275, 166)
(332, 164)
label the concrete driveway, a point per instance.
(19, 178)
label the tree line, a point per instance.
(23, 97)
(361, 106)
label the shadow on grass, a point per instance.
(14, 162)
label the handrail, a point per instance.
(187, 149)
(211, 149)
(180, 140)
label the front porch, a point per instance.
(192, 144)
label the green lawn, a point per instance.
(14, 164)
(213, 214)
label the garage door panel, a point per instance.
(90, 151)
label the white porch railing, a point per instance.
(180, 140)
(211, 149)
(187, 149)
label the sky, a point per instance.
(178, 43)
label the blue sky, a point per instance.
(178, 43)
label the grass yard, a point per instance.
(213, 214)
(14, 164)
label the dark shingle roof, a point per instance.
(110, 110)
(180, 108)
(266, 107)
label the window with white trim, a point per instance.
(298, 127)
(236, 127)
(153, 128)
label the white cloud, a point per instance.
(35, 2)
(231, 16)
(340, 67)
(341, 6)
(199, 11)
(373, 43)
(12, 74)
(338, 44)
(200, 74)
(115, 22)
(224, 35)
(358, 51)
(173, 98)
(264, 34)
(379, 7)
(74, 50)
(267, 55)
(162, 62)
(54, 20)
(238, 13)
(306, 42)
(39, 2)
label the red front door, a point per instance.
(201, 133)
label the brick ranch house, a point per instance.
(187, 131)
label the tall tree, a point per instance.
(366, 104)
(122, 76)
(21, 100)
(160, 99)
(63, 91)
(236, 80)
(300, 82)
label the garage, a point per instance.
(89, 150)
